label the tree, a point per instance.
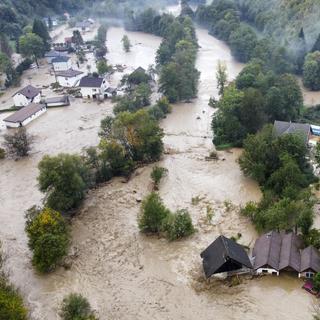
(11, 303)
(48, 237)
(103, 67)
(40, 29)
(102, 34)
(316, 281)
(221, 76)
(19, 143)
(50, 23)
(242, 42)
(311, 71)
(126, 43)
(153, 214)
(179, 225)
(77, 38)
(76, 307)
(157, 174)
(5, 45)
(64, 178)
(5, 63)
(31, 45)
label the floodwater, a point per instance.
(124, 274)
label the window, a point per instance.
(264, 271)
(94, 90)
(309, 275)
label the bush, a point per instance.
(179, 225)
(48, 237)
(11, 303)
(153, 214)
(18, 144)
(2, 153)
(76, 307)
(157, 174)
(24, 65)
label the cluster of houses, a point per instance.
(273, 253)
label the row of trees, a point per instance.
(176, 55)
(257, 96)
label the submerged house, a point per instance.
(68, 78)
(93, 87)
(26, 96)
(53, 54)
(224, 255)
(282, 127)
(25, 115)
(61, 63)
(275, 252)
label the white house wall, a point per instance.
(28, 120)
(20, 100)
(69, 82)
(61, 66)
(266, 271)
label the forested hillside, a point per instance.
(15, 14)
(284, 19)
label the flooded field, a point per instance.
(124, 274)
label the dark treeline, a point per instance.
(176, 55)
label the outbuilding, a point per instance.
(25, 115)
(310, 262)
(93, 87)
(57, 101)
(53, 54)
(27, 95)
(69, 78)
(224, 255)
(61, 63)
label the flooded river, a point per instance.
(124, 274)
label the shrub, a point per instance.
(48, 237)
(11, 303)
(157, 174)
(179, 225)
(18, 144)
(76, 307)
(2, 153)
(153, 214)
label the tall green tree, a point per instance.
(32, 46)
(221, 76)
(40, 29)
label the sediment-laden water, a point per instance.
(124, 274)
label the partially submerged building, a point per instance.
(93, 87)
(276, 252)
(60, 101)
(25, 115)
(53, 54)
(224, 255)
(69, 78)
(283, 127)
(61, 63)
(26, 96)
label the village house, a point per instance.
(27, 95)
(275, 252)
(53, 54)
(93, 87)
(224, 255)
(69, 78)
(25, 115)
(61, 63)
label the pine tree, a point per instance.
(40, 29)
(316, 46)
(5, 45)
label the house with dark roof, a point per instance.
(26, 96)
(60, 101)
(61, 63)
(276, 252)
(282, 127)
(69, 78)
(93, 87)
(25, 115)
(224, 255)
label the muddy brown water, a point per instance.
(124, 274)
